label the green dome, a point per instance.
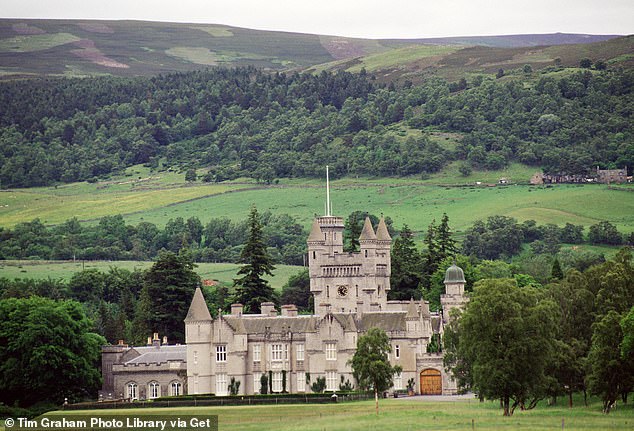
(454, 274)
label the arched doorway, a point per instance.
(430, 382)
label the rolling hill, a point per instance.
(134, 48)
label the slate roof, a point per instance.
(386, 320)
(315, 232)
(158, 355)
(367, 233)
(381, 231)
(412, 310)
(257, 324)
(198, 310)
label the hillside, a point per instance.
(134, 48)
(452, 61)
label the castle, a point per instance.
(350, 296)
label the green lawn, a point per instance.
(222, 272)
(401, 414)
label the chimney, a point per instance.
(236, 309)
(165, 339)
(268, 309)
(149, 341)
(120, 343)
(156, 342)
(289, 310)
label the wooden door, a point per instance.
(430, 382)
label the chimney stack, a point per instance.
(236, 309)
(156, 342)
(268, 309)
(165, 339)
(289, 310)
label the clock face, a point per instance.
(342, 290)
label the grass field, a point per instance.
(417, 204)
(157, 197)
(401, 414)
(64, 270)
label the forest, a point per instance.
(246, 122)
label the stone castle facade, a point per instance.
(350, 296)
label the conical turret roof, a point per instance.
(412, 311)
(367, 234)
(198, 310)
(315, 232)
(381, 231)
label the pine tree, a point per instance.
(406, 268)
(430, 259)
(170, 284)
(446, 245)
(252, 289)
(556, 272)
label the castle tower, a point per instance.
(348, 282)
(198, 333)
(454, 291)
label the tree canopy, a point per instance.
(506, 336)
(370, 364)
(48, 352)
(169, 287)
(248, 122)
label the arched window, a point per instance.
(176, 389)
(154, 390)
(132, 391)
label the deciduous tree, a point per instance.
(370, 364)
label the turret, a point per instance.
(454, 291)
(367, 239)
(198, 330)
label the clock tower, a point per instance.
(348, 282)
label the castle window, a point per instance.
(195, 356)
(331, 380)
(301, 381)
(397, 351)
(398, 381)
(366, 253)
(276, 352)
(221, 384)
(327, 291)
(331, 351)
(221, 353)
(314, 255)
(154, 390)
(176, 389)
(257, 382)
(132, 390)
(277, 382)
(300, 352)
(256, 353)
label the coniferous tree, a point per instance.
(252, 289)
(169, 285)
(556, 273)
(446, 245)
(430, 259)
(406, 263)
